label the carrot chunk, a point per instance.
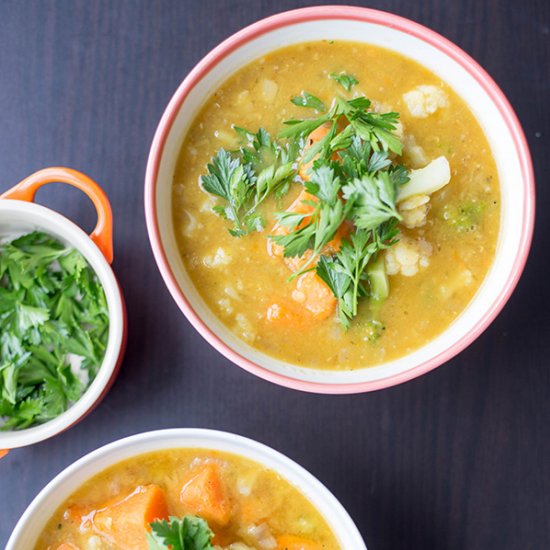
(67, 546)
(125, 521)
(203, 494)
(314, 295)
(311, 293)
(291, 542)
(286, 313)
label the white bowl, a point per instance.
(41, 509)
(18, 217)
(412, 40)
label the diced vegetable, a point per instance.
(203, 494)
(373, 329)
(125, 520)
(427, 180)
(378, 279)
(67, 546)
(465, 216)
(260, 535)
(314, 295)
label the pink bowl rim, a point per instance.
(362, 15)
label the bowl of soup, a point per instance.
(339, 199)
(62, 315)
(219, 490)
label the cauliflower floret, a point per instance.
(416, 155)
(424, 100)
(262, 535)
(225, 305)
(408, 256)
(220, 258)
(414, 211)
(270, 89)
(245, 327)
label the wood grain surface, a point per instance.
(458, 459)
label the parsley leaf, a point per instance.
(321, 225)
(372, 199)
(305, 99)
(344, 273)
(187, 533)
(248, 176)
(347, 81)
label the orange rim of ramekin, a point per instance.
(368, 16)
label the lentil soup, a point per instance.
(447, 228)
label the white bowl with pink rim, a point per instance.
(431, 50)
(20, 215)
(42, 508)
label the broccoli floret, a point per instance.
(373, 330)
(465, 216)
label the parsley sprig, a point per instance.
(187, 533)
(246, 177)
(51, 305)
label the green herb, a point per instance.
(372, 199)
(328, 214)
(246, 177)
(308, 100)
(374, 128)
(187, 533)
(51, 305)
(347, 81)
(352, 177)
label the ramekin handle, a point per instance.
(102, 235)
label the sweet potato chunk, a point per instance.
(203, 494)
(125, 521)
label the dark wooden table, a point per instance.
(458, 459)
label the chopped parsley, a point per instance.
(54, 325)
(308, 100)
(347, 81)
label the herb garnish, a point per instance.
(51, 305)
(351, 177)
(246, 177)
(347, 81)
(308, 100)
(187, 533)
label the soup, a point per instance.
(331, 260)
(244, 505)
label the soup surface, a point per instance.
(447, 239)
(247, 506)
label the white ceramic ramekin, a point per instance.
(58, 490)
(19, 215)
(442, 57)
